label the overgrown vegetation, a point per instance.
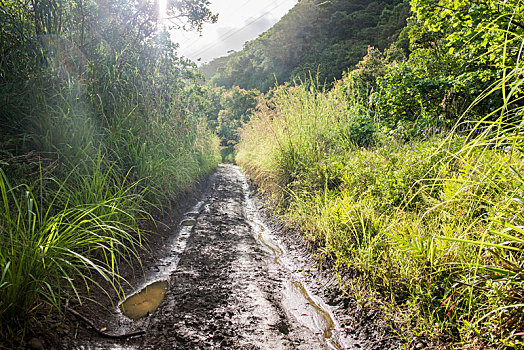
(227, 111)
(324, 37)
(407, 174)
(101, 128)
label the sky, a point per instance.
(238, 21)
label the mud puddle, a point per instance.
(146, 301)
(298, 301)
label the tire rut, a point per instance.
(227, 290)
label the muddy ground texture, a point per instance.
(229, 291)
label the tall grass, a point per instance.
(46, 249)
(300, 125)
(429, 231)
(83, 164)
(493, 177)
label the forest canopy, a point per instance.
(323, 38)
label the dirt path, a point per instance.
(232, 285)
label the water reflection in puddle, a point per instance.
(300, 304)
(146, 301)
(188, 222)
(297, 300)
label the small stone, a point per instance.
(35, 344)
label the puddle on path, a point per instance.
(146, 301)
(188, 222)
(299, 302)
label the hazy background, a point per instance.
(239, 21)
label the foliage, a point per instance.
(237, 105)
(230, 109)
(315, 36)
(428, 230)
(459, 50)
(101, 127)
(483, 33)
(426, 218)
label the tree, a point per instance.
(485, 33)
(322, 38)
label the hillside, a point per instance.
(315, 36)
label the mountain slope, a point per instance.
(315, 36)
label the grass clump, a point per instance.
(48, 247)
(101, 128)
(426, 230)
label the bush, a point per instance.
(422, 227)
(100, 127)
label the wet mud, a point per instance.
(226, 280)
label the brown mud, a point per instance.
(232, 283)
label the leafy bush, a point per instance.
(361, 131)
(410, 222)
(101, 126)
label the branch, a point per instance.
(102, 334)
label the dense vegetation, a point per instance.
(226, 111)
(102, 127)
(407, 174)
(324, 37)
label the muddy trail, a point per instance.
(225, 280)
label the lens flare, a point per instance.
(162, 10)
